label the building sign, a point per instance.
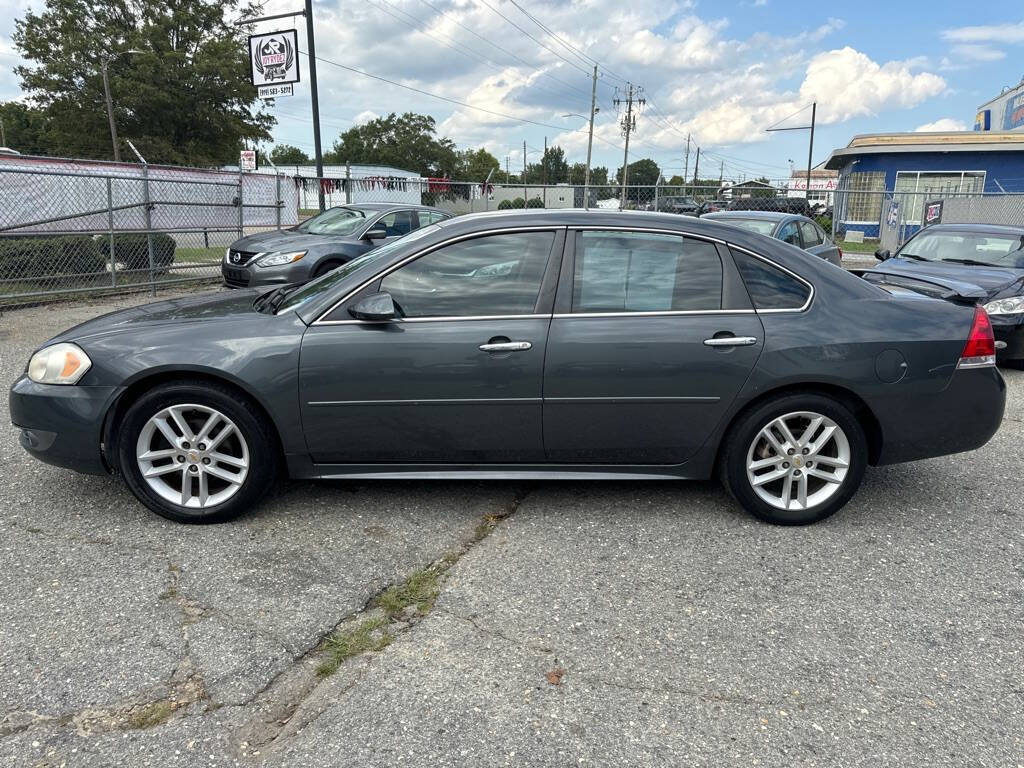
(247, 160)
(828, 184)
(274, 58)
(275, 91)
(932, 212)
(983, 120)
(1013, 117)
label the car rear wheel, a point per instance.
(196, 452)
(796, 459)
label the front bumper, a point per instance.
(1010, 330)
(251, 276)
(62, 425)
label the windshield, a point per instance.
(322, 284)
(336, 221)
(761, 226)
(994, 250)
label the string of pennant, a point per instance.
(366, 183)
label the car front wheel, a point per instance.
(796, 459)
(196, 452)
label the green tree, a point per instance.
(475, 164)
(185, 98)
(408, 141)
(641, 173)
(286, 154)
(24, 128)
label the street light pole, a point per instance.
(104, 63)
(590, 140)
(110, 110)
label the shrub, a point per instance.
(504, 205)
(534, 202)
(132, 251)
(33, 257)
(825, 222)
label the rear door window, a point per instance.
(811, 234)
(645, 272)
(770, 287)
(790, 234)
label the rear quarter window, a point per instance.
(769, 287)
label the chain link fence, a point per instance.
(76, 227)
(71, 228)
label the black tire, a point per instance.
(747, 427)
(324, 268)
(252, 424)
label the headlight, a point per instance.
(227, 254)
(58, 364)
(277, 259)
(1013, 305)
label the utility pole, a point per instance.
(696, 167)
(686, 166)
(110, 111)
(590, 141)
(628, 126)
(314, 97)
(524, 175)
(3, 136)
(810, 151)
(721, 173)
(508, 176)
(544, 172)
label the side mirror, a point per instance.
(882, 254)
(375, 234)
(377, 307)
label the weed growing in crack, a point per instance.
(369, 635)
(149, 715)
(419, 590)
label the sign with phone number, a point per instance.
(274, 91)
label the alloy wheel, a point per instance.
(192, 456)
(798, 460)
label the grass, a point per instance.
(150, 715)
(868, 246)
(198, 255)
(368, 635)
(419, 590)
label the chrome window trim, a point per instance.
(658, 313)
(442, 319)
(412, 257)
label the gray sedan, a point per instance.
(321, 243)
(788, 227)
(534, 344)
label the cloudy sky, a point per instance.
(719, 71)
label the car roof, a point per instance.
(991, 229)
(739, 214)
(390, 207)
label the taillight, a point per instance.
(980, 349)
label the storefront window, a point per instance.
(867, 188)
(914, 188)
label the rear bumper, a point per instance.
(961, 417)
(62, 425)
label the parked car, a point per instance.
(987, 257)
(321, 243)
(712, 206)
(795, 230)
(528, 344)
(681, 204)
(797, 205)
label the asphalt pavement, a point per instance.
(581, 623)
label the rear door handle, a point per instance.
(506, 346)
(731, 341)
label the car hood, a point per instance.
(286, 239)
(201, 308)
(993, 280)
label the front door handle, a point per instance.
(730, 341)
(506, 346)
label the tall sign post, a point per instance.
(274, 62)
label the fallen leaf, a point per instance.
(555, 676)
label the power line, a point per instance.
(507, 52)
(538, 42)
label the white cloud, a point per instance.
(977, 52)
(942, 124)
(366, 116)
(997, 33)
